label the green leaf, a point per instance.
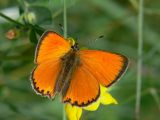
(32, 36)
(39, 30)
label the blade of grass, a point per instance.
(140, 60)
(127, 19)
(134, 3)
(65, 36)
(156, 98)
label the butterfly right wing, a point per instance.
(96, 68)
(50, 49)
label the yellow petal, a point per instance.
(103, 89)
(73, 112)
(106, 98)
(92, 107)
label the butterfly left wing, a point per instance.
(83, 89)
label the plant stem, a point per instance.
(20, 24)
(65, 18)
(11, 20)
(140, 60)
(65, 36)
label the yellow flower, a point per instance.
(74, 112)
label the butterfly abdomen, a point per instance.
(69, 64)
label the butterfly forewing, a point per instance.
(106, 67)
(51, 47)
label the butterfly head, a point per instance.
(74, 45)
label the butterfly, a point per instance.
(62, 68)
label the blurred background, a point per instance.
(87, 20)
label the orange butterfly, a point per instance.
(76, 74)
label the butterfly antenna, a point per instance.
(61, 27)
(101, 36)
(90, 42)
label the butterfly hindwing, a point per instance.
(44, 78)
(84, 88)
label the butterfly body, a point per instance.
(77, 74)
(69, 64)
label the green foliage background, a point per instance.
(87, 20)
